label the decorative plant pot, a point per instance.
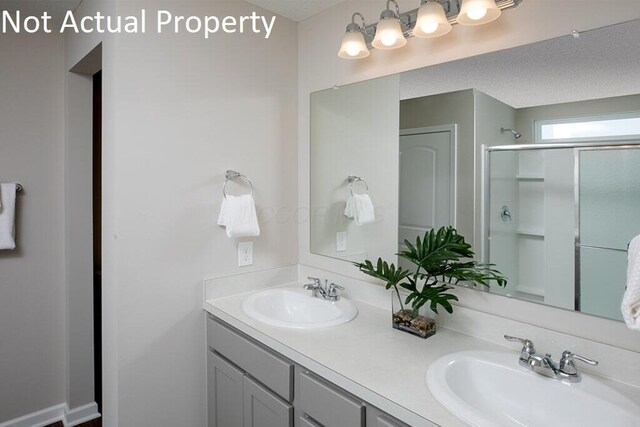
(416, 322)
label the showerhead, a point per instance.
(515, 133)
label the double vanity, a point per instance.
(293, 355)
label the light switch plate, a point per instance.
(341, 241)
(245, 254)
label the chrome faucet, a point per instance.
(327, 292)
(541, 364)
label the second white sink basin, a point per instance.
(492, 389)
(297, 309)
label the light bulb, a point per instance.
(389, 34)
(352, 49)
(388, 39)
(432, 21)
(477, 12)
(429, 27)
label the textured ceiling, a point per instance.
(601, 63)
(296, 10)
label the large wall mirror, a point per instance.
(532, 153)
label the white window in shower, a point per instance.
(618, 127)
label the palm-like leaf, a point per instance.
(441, 257)
(389, 273)
(436, 248)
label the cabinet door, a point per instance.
(327, 404)
(224, 385)
(263, 408)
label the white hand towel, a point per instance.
(350, 208)
(7, 216)
(631, 300)
(238, 216)
(360, 208)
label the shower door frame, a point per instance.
(577, 147)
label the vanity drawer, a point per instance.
(305, 421)
(271, 370)
(328, 405)
(377, 418)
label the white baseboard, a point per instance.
(81, 414)
(39, 418)
(61, 412)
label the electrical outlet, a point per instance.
(245, 254)
(341, 241)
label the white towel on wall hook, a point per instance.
(7, 216)
(360, 208)
(631, 301)
(238, 216)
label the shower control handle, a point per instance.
(505, 214)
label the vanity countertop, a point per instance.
(368, 358)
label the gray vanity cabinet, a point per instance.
(236, 400)
(250, 385)
(264, 365)
(225, 392)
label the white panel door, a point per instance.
(425, 183)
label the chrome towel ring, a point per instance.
(353, 179)
(231, 175)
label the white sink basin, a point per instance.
(297, 309)
(492, 389)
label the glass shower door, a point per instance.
(608, 181)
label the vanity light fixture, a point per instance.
(434, 18)
(353, 44)
(389, 34)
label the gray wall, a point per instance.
(490, 115)
(32, 291)
(179, 111)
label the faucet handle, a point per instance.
(523, 341)
(527, 344)
(334, 288)
(567, 366)
(315, 280)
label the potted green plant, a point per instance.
(441, 258)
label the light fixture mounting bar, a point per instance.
(408, 19)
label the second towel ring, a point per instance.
(353, 179)
(231, 175)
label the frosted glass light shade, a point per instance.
(353, 46)
(432, 21)
(477, 12)
(389, 34)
